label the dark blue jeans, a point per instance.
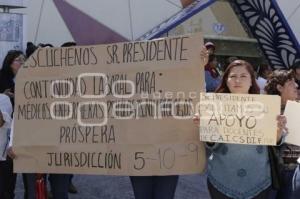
(287, 188)
(59, 184)
(7, 179)
(296, 184)
(154, 187)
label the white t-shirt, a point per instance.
(6, 109)
(261, 83)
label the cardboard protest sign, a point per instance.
(291, 113)
(238, 118)
(117, 109)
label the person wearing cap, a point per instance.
(211, 48)
(212, 77)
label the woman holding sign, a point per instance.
(234, 170)
(11, 64)
(283, 83)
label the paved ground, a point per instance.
(115, 187)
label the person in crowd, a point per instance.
(47, 45)
(30, 49)
(234, 170)
(283, 83)
(6, 178)
(59, 183)
(69, 44)
(162, 187)
(228, 60)
(212, 77)
(296, 176)
(263, 71)
(155, 187)
(296, 68)
(211, 48)
(11, 64)
(72, 187)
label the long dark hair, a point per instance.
(6, 69)
(223, 88)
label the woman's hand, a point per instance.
(281, 126)
(11, 153)
(196, 119)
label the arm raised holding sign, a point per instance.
(239, 170)
(282, 129)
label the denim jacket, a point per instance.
(211, 83)
(239, 171)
